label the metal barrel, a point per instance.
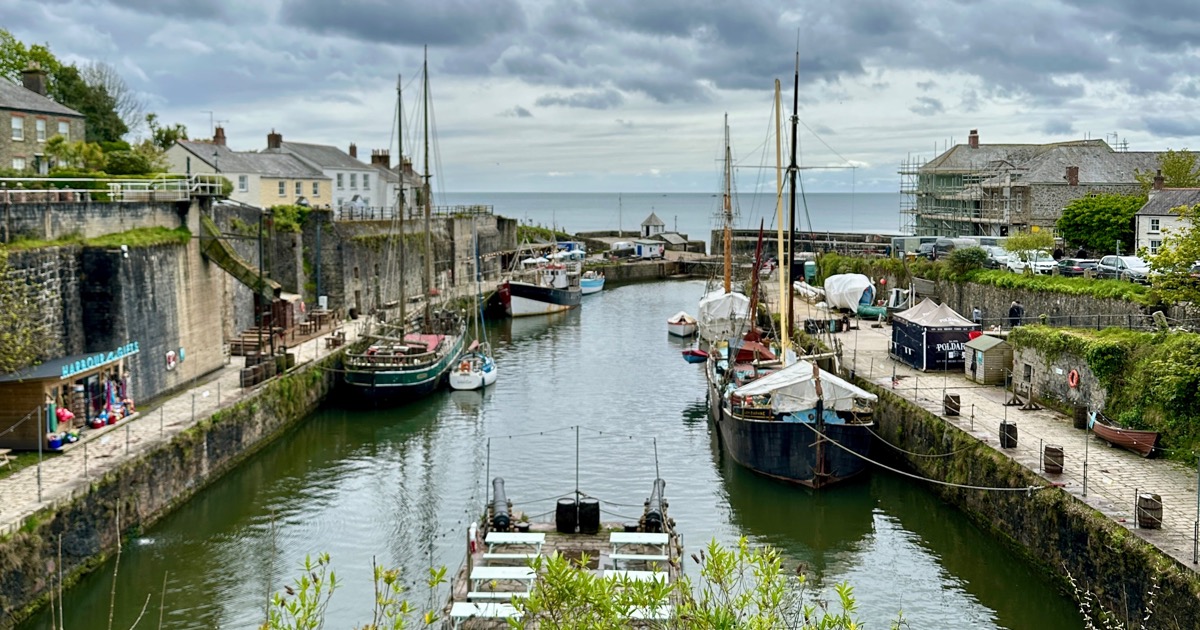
(656, 508)
(500, 515)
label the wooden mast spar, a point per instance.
(728, 208)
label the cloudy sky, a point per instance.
(628, 95)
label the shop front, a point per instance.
(63, 400)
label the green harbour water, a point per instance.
(400, 485)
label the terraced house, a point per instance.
(32, 118)
(354, 183)
(259, 179)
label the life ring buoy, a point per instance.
(1073, 379)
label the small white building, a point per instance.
(1155, 218)
(647, 249)
(652, 226)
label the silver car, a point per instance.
(1036, 261)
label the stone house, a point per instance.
(259, 179)
(977, 189)
(1155, 218)
(32, 118)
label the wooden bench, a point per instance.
(4, 461)
(461, 611)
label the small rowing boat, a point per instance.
(695, 355)
(1143, 443)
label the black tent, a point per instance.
(929, 336)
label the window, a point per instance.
(299, 188)
(1153, 225)
(341, 202)
(282, 189)
(366, 180)
(18, 164)
(1154, 245)
(354, 180)
(316, 188)
(64, 130)
(18, 127)
(243, 183)
(40, 126)
(367, 201)
(339, 180)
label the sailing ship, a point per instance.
(784, 418)
(476, 367)
(394, 362)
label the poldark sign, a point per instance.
(99, 359)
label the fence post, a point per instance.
(127, 439)
(85, 462)
(161, 426)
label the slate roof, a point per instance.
(1163, 201)
(652, 220)
(323, 155)
(963, 158)
(281, 165)
(1097, 164)
(672, 238)
(13, 96)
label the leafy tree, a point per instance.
(164, 136)
(22, 330)
(1023, 244)
(126, 163)
(1098, 222)
(15, 57)
(1180, 250)
(966, 259)
(94, 102)
(79, 154)
(1179, 170)
(127, 105)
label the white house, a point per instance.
(644, 248)
(354, 183)
(652, 226)
(1155, 218)
(389, 180)
(258, 179)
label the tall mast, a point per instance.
(400, 194)
(728, 207)
(793, 168)
(428, 202)
(785, 264)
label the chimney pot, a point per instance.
(353, 151)
(973, 139)
(219, 136)
(274, 140)
(381, 157)
(1072, 176)
(34, 78)
(1159, 180)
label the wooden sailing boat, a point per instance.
(396, 363)
(476, 367)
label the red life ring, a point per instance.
(1073, 379)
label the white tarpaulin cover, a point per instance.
(723, 315)
(846, 290)
(681, 318)
(792, 389)
(808, 292)
(932, 315)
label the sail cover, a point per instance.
(793, 389)
(849, 290)
(723, 315)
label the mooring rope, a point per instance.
(1026, 489)
(965, 448)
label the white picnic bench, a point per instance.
(660, 612)
(635, 576)
(621, 540)
(462, 611)
(504, 540)
(479, 575)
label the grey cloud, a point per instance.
(625, 123)
(927, 106)
(970, 101)
(413, 22)
(517, 112)
(169, 8)
(822, 129)
(1057, 127)
(607, 99)
(925, 86)
(1172, 126)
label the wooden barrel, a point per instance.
(1052, 459)
(1008, 434)
(950, 404)
(1081, 416)
(1149, 511)
(565, 516)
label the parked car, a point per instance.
(997, 257)
(1129, 268)
(943, 246)
(1195, 271)
(1076, 266)
(925, 250)
(1038, 262)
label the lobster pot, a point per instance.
(565, 517)
(1149, 511)
(1052, 459)
(1008, 434)
(589, 516)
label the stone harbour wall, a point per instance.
(1050, 379)
(51, 221)
(52, 277)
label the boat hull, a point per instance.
(787, 450)
(681, 330)
(402, 384)
(1144, 443)
(527, 299)
(588, 286)
(475, 376)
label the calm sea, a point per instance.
(694, 214)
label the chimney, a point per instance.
(973, 139)
(381, 157)
(353, 151)
(219, 136)
(34, 78)
(1159, 180)
(274, 140)
(1072, 176)
(408, 166)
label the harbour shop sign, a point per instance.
(98, 359)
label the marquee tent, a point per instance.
(930, 336)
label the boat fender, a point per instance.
(1073, 378)
(464, 367)
(473, 537)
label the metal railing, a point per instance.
(387, 213)
(163, 187)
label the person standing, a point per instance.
(1014, 314)
(976, 315)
